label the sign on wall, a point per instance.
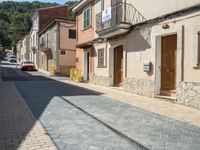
(106, 15)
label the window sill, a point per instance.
(101, 67)
(87, 28)
(196, 67)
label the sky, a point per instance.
(57, 1)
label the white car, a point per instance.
(12, 60)
(12, 57)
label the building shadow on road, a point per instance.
(38, 91)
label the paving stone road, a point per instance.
(19, 129)
(79, 119)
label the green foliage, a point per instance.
(15, 20)
(72, 15)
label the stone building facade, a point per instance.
(57, 49)
(40, 19)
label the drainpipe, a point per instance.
(57, 45)
(183, 53)
(37, 50)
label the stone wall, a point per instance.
(99, 80)
(142, 87)
(52, 43)
(188, 93)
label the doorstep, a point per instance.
(168, 98)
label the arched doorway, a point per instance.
(118, 65)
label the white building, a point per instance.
(33, 40)
(25, 48)
(149, 48)
(19, 48)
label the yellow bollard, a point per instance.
(78, 75)
(72, 71)
(52, 69)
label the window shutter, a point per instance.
(87, 18)
(101, 58)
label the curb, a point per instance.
(45, 72)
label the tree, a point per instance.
(70, 4)
(15, 20)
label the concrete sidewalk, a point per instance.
(19, 129)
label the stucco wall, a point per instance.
(68, 59)
(85, 35)
(79, 58)
(65, 41)
(25, 49)
(146, 8)
(144, 44)
(33, 40)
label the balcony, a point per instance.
(33, 48)
(44, 48)
(122, 17)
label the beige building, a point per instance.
(58, 46)
(25, 49)
(40, 19)
(150, 52)
(19, 48)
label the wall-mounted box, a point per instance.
(147, 66)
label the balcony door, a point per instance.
(115, 2)
(116, 12)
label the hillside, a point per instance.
(15, 19)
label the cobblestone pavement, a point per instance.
(159, 106)
(77, 118)
(19, 129)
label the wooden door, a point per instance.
(118, 65)
(168, 63)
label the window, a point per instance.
(42, 42)
(62, 52)
(87, 18)
(33, 40)
(77, 59)
(72, 34)
(101, 58)
(198, 50)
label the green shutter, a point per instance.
(87, 18)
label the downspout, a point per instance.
(58, 46)
(126, 67)
(183, 53)
(37, 50)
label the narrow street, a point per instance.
(75, 118)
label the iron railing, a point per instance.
(120, 13)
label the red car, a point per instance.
(27, 65)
